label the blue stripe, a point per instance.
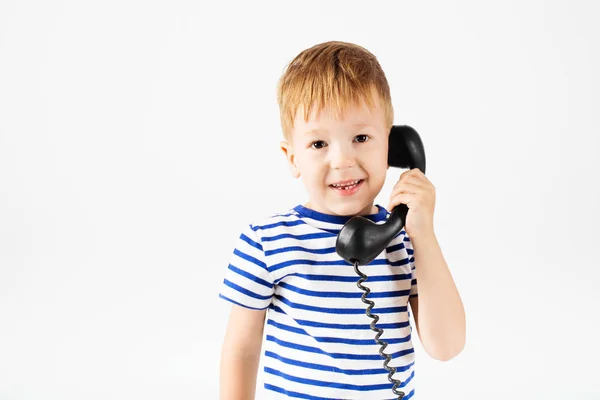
(395, 247)
(284, 264)
(251, 242)
(280, 223)
(247, 257)
(240, 304)
(344, 356)
(303, 322)
(308, 236)
(399, 263)
(381, 310)
(298, 261)
(346, 386)
(297, 395)
(378, 261)
(345, 295)
(334, 278)
(247, 292)
(250, 276)
(329, 368)
(325, 339)
(326, 250)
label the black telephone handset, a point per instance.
(360, 240)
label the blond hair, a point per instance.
(332, 74)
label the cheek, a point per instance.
(378, 173)
(312, 167)
(378, 164)
(312, 174)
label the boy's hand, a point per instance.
(418, 193)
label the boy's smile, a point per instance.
(347, 187)
(342, 160)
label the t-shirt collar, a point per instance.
(334, 223)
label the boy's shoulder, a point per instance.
(282, 218)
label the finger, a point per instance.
(413, 172)
(405, 174)
(407, 187)
(417, 175)
(416, 179)
(401, 198)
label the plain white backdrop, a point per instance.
(137, 138)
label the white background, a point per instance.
(137, 138)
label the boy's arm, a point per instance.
(438, 310)
(241, 353)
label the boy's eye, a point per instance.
(318, 144)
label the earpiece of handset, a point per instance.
(361, 239)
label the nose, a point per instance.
(342, 156)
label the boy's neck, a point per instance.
(369, 210)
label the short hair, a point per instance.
(331, 74)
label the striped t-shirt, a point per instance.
(318, 342)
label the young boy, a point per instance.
(336, 115)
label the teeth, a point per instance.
(346, 185)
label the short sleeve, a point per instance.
(247, 281)
(411, 259)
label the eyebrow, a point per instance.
(362, 125)
(317, 130)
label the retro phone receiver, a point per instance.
(361, 239)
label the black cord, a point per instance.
(388, 358)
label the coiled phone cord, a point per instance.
(383, 344)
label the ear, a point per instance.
(289, 155)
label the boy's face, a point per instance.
(325, 151)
